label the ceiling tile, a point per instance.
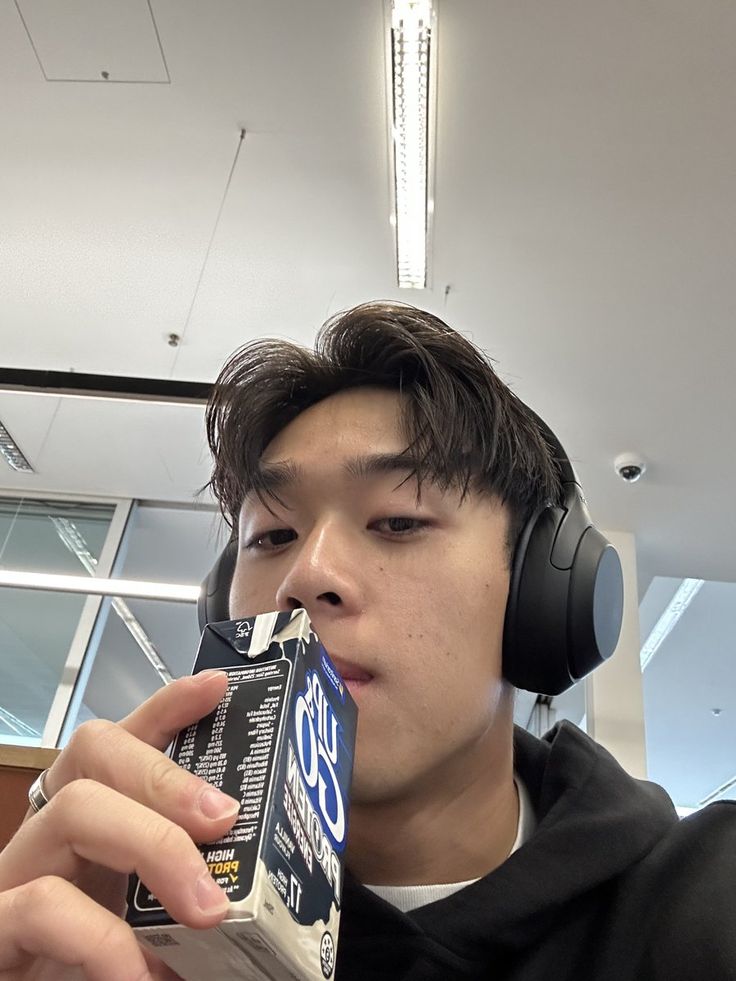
(95, 40)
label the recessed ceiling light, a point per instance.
(12, 453)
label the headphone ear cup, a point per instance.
(535, 656)
(596, 603)
(561, 623)
(213, 604)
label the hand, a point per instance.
(117, 805)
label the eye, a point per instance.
(400, 527)
(269, 541)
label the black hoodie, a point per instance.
(611, 886)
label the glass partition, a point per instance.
(139, 645)
(62, 537)
(37, 628)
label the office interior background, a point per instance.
(179, 177)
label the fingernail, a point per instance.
(216, 805)
(210, 898)
(203, 677)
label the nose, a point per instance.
(323, 577)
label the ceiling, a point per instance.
(584, 215)
(583, 227)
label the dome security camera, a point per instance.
(629, 467)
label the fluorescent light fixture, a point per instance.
(413, 74)
(12, 453)
(686, 593)
(130, 588)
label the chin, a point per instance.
(372, 788)
(373, 797)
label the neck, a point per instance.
(460, 823)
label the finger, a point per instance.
(102, 751)
(175, 706)
(88, 822)
(156, 722)
(107, 753)
(52, 919)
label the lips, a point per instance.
(350, 672)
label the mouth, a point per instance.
(354, 677)
(353, 685)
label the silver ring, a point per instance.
(37, 795)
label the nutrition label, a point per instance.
(237, 755)
(234, 749)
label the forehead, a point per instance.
(347, 423)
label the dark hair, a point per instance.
(464, 426)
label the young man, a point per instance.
(382, 483)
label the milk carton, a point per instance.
(282, 742)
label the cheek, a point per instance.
(448, 654)
(444, 617)
(251, 594)
(460, 605)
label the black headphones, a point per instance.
(565, 605)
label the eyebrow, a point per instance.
(275, 477)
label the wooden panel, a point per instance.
(27, 757)
(19, 767)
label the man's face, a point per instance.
(407, 596)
